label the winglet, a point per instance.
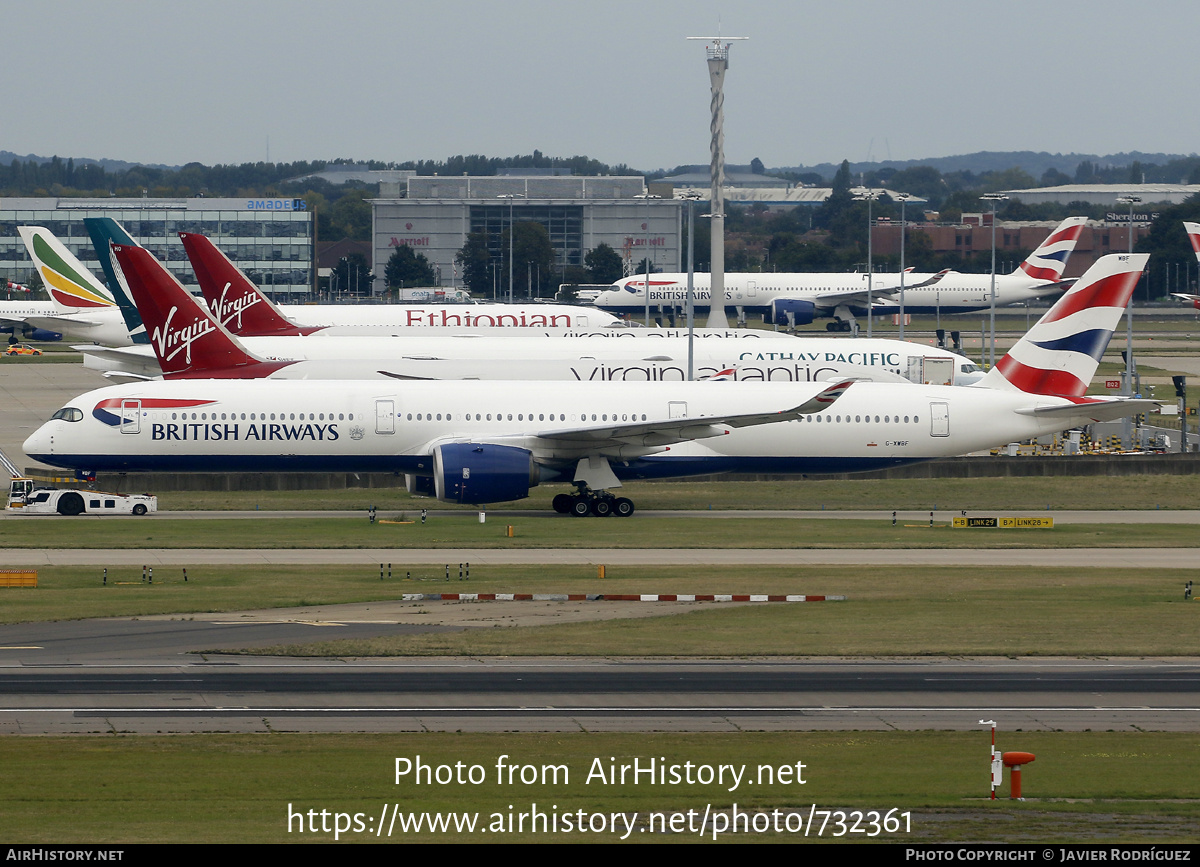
(188, 342)
(823, 399)
(234, 300)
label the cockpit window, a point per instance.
(970, 368)
(69, 413)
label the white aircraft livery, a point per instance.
(800, 298)
(80, 306)
(479, 442)
(238, 303)
(177, 323)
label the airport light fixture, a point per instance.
(510, 197)
(903, 200)
(1130, 365)
(647, 197)
(995, 199)
(691, 196)
(869, 196)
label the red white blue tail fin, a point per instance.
(188, 342)
(1193, 233)
(236, 302)
(1060, 353)
(1049, 260)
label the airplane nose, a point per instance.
(38, 444)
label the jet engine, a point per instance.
(804, 311)
(482, 473)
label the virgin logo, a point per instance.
(169, 342)
(227, 308)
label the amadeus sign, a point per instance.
(276, 205)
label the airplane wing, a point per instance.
(883, 294)
(636, 438)
(118, 361)
(666, 431)
(55, 323)
(1088, 410)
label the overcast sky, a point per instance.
(214, 82)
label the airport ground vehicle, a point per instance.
(22, 349)
(30, 500)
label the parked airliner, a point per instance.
(479, 442)
(80, 307)
(175, 319)
(804, 297)
(234, 307)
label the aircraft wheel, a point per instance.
(833, 326)
(622, 507)
(580, 507)
(602, 507)
(70, 504)
(562, 503)
(139, 509)
(844, 326)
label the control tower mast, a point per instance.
(718, 62)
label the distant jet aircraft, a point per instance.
(235, 300)
(480, 442)
(80, 307)
(175, 319)
(801, 298)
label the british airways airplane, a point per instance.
(211, 352)
(804, 297)
(480, 442)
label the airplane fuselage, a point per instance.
(954, 293)
(261, 425)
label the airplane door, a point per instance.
(581, 320)
(385, 416)
(131, 415)
(751, 289)
(939, 415)
(678, 408)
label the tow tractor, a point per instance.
(27, 499)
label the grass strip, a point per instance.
(1088, 787)
(464, 531)
(1036, 493)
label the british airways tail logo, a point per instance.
(169, 342)
(227, 309)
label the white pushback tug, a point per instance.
(27, 499)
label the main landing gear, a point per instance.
(598, 503)
(838, 325)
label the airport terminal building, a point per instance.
(434, 215)
(271, 239)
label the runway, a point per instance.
(220, 694)
(168, 674)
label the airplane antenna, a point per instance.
(718, 61)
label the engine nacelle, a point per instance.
(804, 311)
(43, 334)
(482, 473)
